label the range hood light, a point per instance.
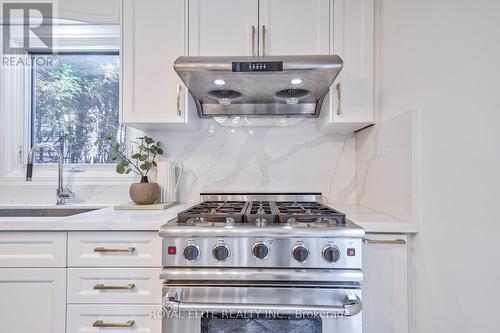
(224, 101)
(292, 100)
(220, 82)
(296, 81)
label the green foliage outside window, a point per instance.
(75, 102)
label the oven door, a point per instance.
(231, 309)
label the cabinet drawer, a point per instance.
(114, 249)
(32, 249)
(114, 285)
(119, 318)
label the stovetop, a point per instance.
(261, 212)
(263, 231)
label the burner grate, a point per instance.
(261, 212)
(307, 212)
(215, 211)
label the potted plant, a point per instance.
(141, 161)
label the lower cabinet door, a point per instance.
(114, 318)
(32, 300)
(385, 283)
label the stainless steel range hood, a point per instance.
(259, 86)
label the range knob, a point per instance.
(260, 250)
(191, 252)
(220, 252)
(331, 253)
(300, 253)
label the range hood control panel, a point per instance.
(258, 66)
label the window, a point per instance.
(75, 102)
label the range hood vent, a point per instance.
(259, 86)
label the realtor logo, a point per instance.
(26, 26)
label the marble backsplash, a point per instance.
(281, 159)
(297, 158)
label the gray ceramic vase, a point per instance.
(144, 193)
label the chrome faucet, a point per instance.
(63, 193)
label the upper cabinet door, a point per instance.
(223, 27)
(154, 34)
(294, 27)
(94, 11)
(350, 105)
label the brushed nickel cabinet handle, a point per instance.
(384, 242)
(101, 323)
(263, 40)
(253, 41)
(179, 90)
(338, 88)
(101, 286)
(104, 249)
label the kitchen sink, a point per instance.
(43, 212)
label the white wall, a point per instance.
(442, 58)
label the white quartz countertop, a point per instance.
(110, 219)
(101, 219)
(376, 222)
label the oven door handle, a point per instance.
(351, 307)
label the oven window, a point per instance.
(263, 324)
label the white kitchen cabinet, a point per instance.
(114, 285)
(32, 249)
(251, 27)
(294, 27)
(113, 318)
(298, 27)
(92, 11)
(33, 300)
(350, 104)
(385, 284)
(118, 248)
(223, 27)
(154, 34)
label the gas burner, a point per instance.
(307, 212)
(263, 212)
(215, 211)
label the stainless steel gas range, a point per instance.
(262, 263)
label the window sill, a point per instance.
(90, 175)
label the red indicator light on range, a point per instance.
(172, 250)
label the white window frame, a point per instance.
(15, 127)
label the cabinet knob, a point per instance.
(263, 40)
(101, 286)
(104, 249)
(101, 323)
(385, 242)
(253, 41)
(338, 89)
(179, 90)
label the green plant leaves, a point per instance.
(145, 156)
(120, 168)
(146, 166)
